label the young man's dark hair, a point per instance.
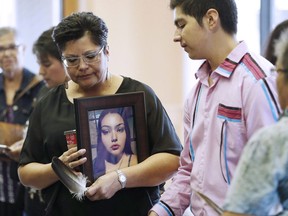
(197, 8)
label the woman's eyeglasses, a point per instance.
(279, 70)
(88, 58)
(10, 48)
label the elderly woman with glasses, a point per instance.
(82, 41)
(261, 180)
(14, 79)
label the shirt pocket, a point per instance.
(230, 127)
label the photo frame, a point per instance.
(103, 154)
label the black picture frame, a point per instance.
(86, 111)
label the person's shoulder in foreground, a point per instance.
(261, 173)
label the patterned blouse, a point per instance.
(261, 180)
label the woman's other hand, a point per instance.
(73, 158)
(104, 187)
(14, 150)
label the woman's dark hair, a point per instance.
(281, 53)
(269, 52)
(77, 25)
(45, 46)
(285, 63)
(227, 10)
(102, 153)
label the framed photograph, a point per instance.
(113, 130)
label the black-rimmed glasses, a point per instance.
(11, 47)
(279, 70)
(88, 58)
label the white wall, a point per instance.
(30, 18)
(35, 16)
(7, 13)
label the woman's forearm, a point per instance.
(153, 171)
(37, 175)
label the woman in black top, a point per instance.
(82, 40)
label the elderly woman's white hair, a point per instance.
(281, 49)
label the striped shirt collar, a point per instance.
(227, 67)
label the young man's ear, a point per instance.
(212, 19)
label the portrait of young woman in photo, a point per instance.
(114, 143)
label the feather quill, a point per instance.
(76, 183)
(209, 202)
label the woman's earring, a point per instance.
(66, 82)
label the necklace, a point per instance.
(121, 162)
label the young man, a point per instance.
(234, 97)
(260, 180)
